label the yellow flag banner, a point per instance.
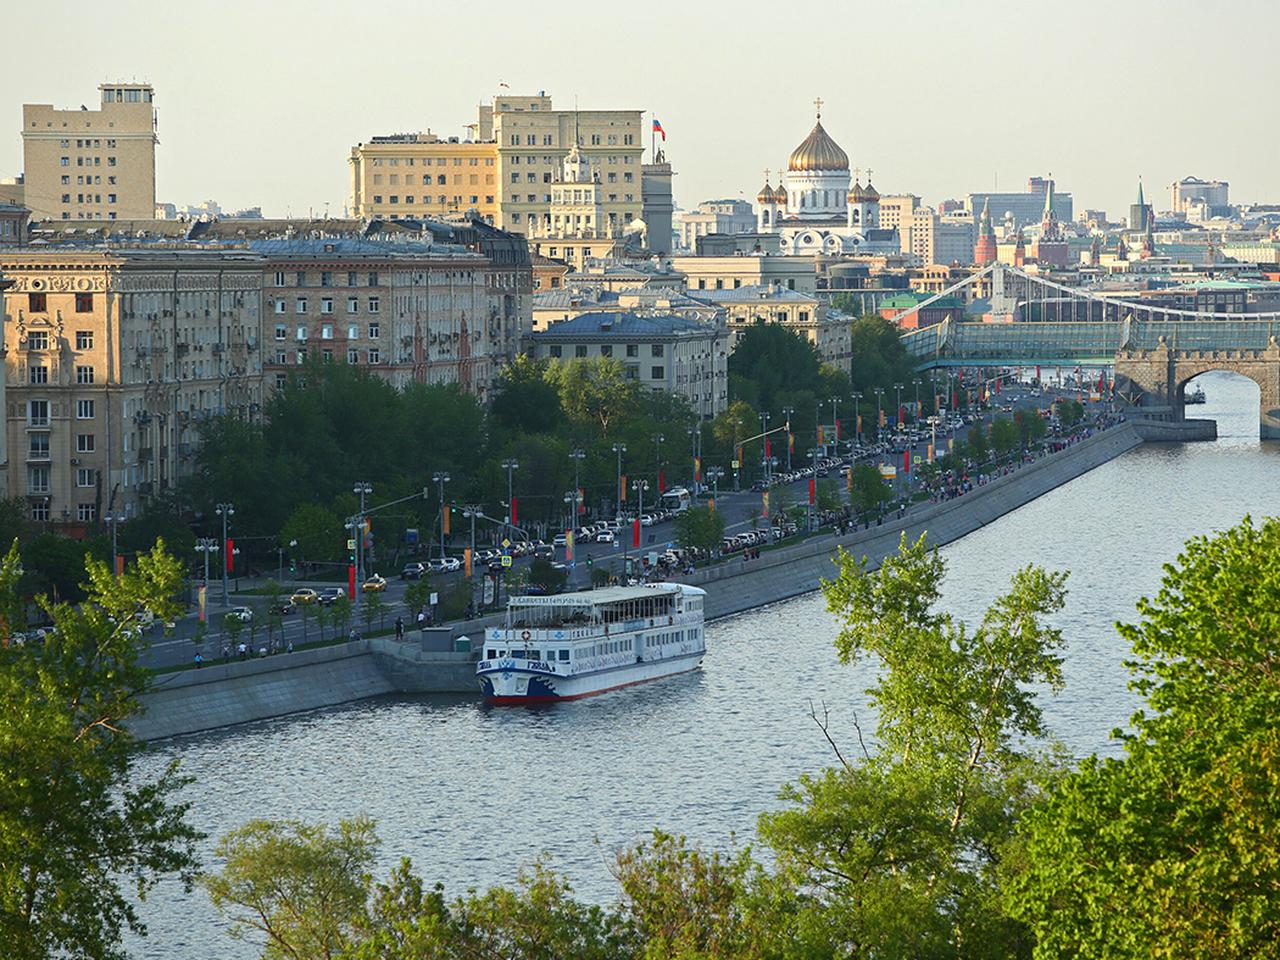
(622, 488)
(444, 518)
(765, 500)
(568, 546)
(466, 560)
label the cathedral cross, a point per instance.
(868, 174)
(818, 103)
(857, 174)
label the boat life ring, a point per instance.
(525, 635)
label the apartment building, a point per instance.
(114, 359)
(829, 331)
(422, 175)
(747, 270)
(92, 164)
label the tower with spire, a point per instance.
(986, 250)
(1140, 212)
(1051, 245)
(1148, 240)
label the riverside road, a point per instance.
(177, 647)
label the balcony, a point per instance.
(145, 453)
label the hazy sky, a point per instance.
(260, 102)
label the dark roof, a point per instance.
(628, 326)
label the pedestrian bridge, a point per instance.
(1153, 350)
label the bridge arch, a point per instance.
(1232, 412)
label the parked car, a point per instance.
(303, 595)
(605, 536)
(330, 595)
(545, 551)
(560, 540)
(242, 614)
(647, 520)
(413, 571)
(375, 584)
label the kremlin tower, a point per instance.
(985, 251)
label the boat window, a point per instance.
(492, 653)
(564, 654)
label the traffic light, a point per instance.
(293, 566)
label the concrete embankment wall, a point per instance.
(792, 571)
(232, 693)
(236, 692)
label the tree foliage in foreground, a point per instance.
(80, 830)
(1174, 850)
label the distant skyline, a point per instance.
(259, 104)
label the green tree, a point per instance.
(301, 888)
(306, 613)
(879, 358)
(593, 392)
(233, 630)
(868, 490)
(1004, 436)
(319, 532)
(1031, 426)
(700, 528)
(545, 575)
(342, 615)
(417, 595)
(1174, 850)
(275, 600)
(373, 607)
(83, 831)
(828, 495)
(770, 359)
(324, 617)
(898, 851)
(979, 442)
(55, 566)
(1070, 412)
(526, 401)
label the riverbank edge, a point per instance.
(239, 692)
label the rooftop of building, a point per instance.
(347, 247)
(626, 326)
(755, 292)
(907, 299)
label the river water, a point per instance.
(471, 793)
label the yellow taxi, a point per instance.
(303, 595)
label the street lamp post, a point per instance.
(813, 479)
(898, 403)
(577, 455)
(916, 382)
(639, 486)
(226, 511)
(764, 446)
(879, 392)
(658, 441)
(363, 488)
(737, 453)
(114, 519)
(440, 479)
(835, 426)
(695, 442)
(714, 474)
(280, 549)
(857, 418)
(788, 412)
(618, 492)
(510, 466)
(206, 545)
(470, 512)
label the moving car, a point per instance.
(243, 614)
(605, 536)
(375, 584)
(330, 595)
(413, 571)
(303, 595)
(284, 608)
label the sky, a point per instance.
(260, 102)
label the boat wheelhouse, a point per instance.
(573, 645)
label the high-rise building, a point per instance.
(936, 239)
(656, 204)
(1192, 190)
(533, 140)
(422, 175)
(1023, 209)
(92, 164)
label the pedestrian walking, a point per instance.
(399, 628)
(199, 660)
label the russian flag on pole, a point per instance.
(657, 128)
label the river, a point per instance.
(471, 793)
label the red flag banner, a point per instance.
(906, 460)
(768, 448)
(635, 533)
(515, 516)
(837, 429)
(813, 491)
(230, 546)
(662, 481)
(351, 579)
(582, 500)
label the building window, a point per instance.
(84, 410)
(85, 442)
(37, 303)
(555, 350)
(353, 355)
(85, 476)
(351, 278)
(39, 373)
(39, 447)
(657, 350)
(375, 304)
(84, 374)
(281, 307)
(326, 356)
(40, 511)
(301, 305)
(656, 373)
(373, 278)
(373, 331)
(87, 512)
(326, 304)
(326, 278)
(326, 331)
(301, 333)
(633, 350)
(580, 350)
(84, 339)
(282, 332)
(353, 331)
(84, 303)
(301, 356)
(279, 278)
(353, 304)
(38, 480)
(374, 356)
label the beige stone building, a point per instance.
(729, 273)
(114, 358)
(422, 175)
(92, 164)
(829, 331)
(896, 209)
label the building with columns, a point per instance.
(817, 207)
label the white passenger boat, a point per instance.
(578, 644)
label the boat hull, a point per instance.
(509, 685)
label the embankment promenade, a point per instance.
(238, 692)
